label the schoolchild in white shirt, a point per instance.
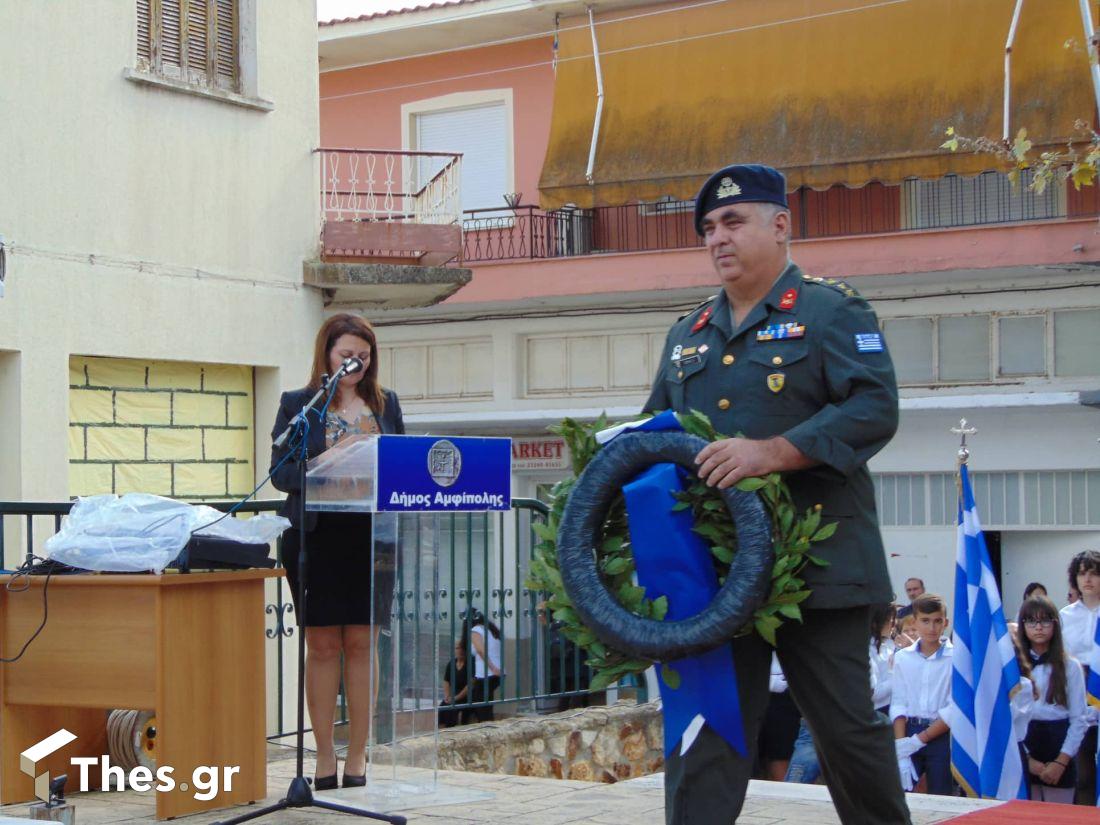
(1058, 716)
(921, 687)
(1078, 633)
(881, 653)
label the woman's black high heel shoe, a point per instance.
(325, 783)
(353, 781)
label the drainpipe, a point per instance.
(1008, 65)
(1090, 35)
(599, 98)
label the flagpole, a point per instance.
(985, 672)
(964, 452)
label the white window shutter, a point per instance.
(480, 134)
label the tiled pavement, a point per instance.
(516, 800)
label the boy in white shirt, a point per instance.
(921, 692)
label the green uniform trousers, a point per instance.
(825, 660)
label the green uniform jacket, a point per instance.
(829, 393)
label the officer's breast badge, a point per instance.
(727, 188)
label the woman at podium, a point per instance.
(338, 618)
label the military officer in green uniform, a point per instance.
(796, 369)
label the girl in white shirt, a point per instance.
(484, 645)
(1058, 715)
(881, 654)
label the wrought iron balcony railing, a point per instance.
(527, 232)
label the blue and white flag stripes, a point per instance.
(1092, 693)
(1092, 687)
(984, 756)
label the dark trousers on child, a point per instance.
(933, 760)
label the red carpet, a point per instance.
(1032, 813)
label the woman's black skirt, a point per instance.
(340, 574)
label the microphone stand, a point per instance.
(300, 793)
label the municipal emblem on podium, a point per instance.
(444, 463)
(775, 381)
(727, 188)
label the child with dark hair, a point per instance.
(1035, 589)
(921, 687)
(1078, 632)
(481, 638)
(882, 654)
(1058, 717)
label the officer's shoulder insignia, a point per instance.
(697, 307)
(832, 283)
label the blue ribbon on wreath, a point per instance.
(674, 561)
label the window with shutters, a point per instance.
(193, 41)
(477, 125)
(986, 198)
(994, 348)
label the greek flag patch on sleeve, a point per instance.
(869, 341)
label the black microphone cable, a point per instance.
(25, 570)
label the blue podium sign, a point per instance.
(451, 474)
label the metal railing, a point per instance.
(390, 185)
(483, 563)
(527, 232)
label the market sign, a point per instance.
(539, 453)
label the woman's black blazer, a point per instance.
(286, 477)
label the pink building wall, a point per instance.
(361, 107)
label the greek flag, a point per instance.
(1092, 687)
(984, 756)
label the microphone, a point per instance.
(352, 365)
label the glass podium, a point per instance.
(405, 487)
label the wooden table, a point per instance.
(190, 648)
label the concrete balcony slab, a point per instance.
(382, 285)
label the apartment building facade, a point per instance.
(584, 137)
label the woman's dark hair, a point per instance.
(1032, 587)
(881, 615)
(474, 617)
(1024, 663)
(1083, 562)
(368, 387)
(1038, 608)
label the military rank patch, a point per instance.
(869, 341)
(788, 299)
(703, 319)
(778, 332)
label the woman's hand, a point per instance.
(1034, 766)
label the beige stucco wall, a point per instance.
(146, 223)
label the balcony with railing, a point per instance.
(390, 220)
(527, 232)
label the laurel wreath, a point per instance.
(792, 535)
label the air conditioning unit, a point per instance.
(571, 230)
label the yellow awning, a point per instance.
(829, 91)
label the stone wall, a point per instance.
(597, 744)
